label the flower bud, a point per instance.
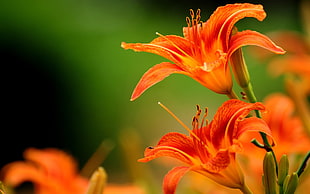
(270, 176)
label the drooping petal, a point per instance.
(176, 145)
(172, 179)
(154, 75)
(254, 124)
(249, 37)
(221, 22)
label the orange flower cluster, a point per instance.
(206, 53)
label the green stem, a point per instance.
(303, 165)
(252, 98)
(250, 93)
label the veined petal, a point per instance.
(249, 37)
(224, 125)
(176, 145)
(154, 75)
(224, 170)
(219, 162)
(172, 179)
(170, 47)
(224, 18)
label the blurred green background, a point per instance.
(67, 82)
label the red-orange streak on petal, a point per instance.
(176, 145)
(221, 22)
(172, 179)
(154, 75)
(249, 37)
(218, 163)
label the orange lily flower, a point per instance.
(210, 150)
(283, 123)
(51, 170)
(205, 49)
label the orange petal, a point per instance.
(18, 172)
(175, 145)
(254, 124)
(249, 37)
(297, 64)
(154, 75)
(53, 161)
(172, 179)
(224, 121)
(219, 162)
(169, 47)
(224, 18)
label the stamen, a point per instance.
(179, 121)
(198, 15)
(188, 21)
(195, 121)
(177, 47)
(191, 12)
(204, 118)
(198, 110)
(244, 97)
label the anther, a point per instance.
(191, 11)
(244, 97)
(198, 15)
(188, 21)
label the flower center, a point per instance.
(220, 58)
